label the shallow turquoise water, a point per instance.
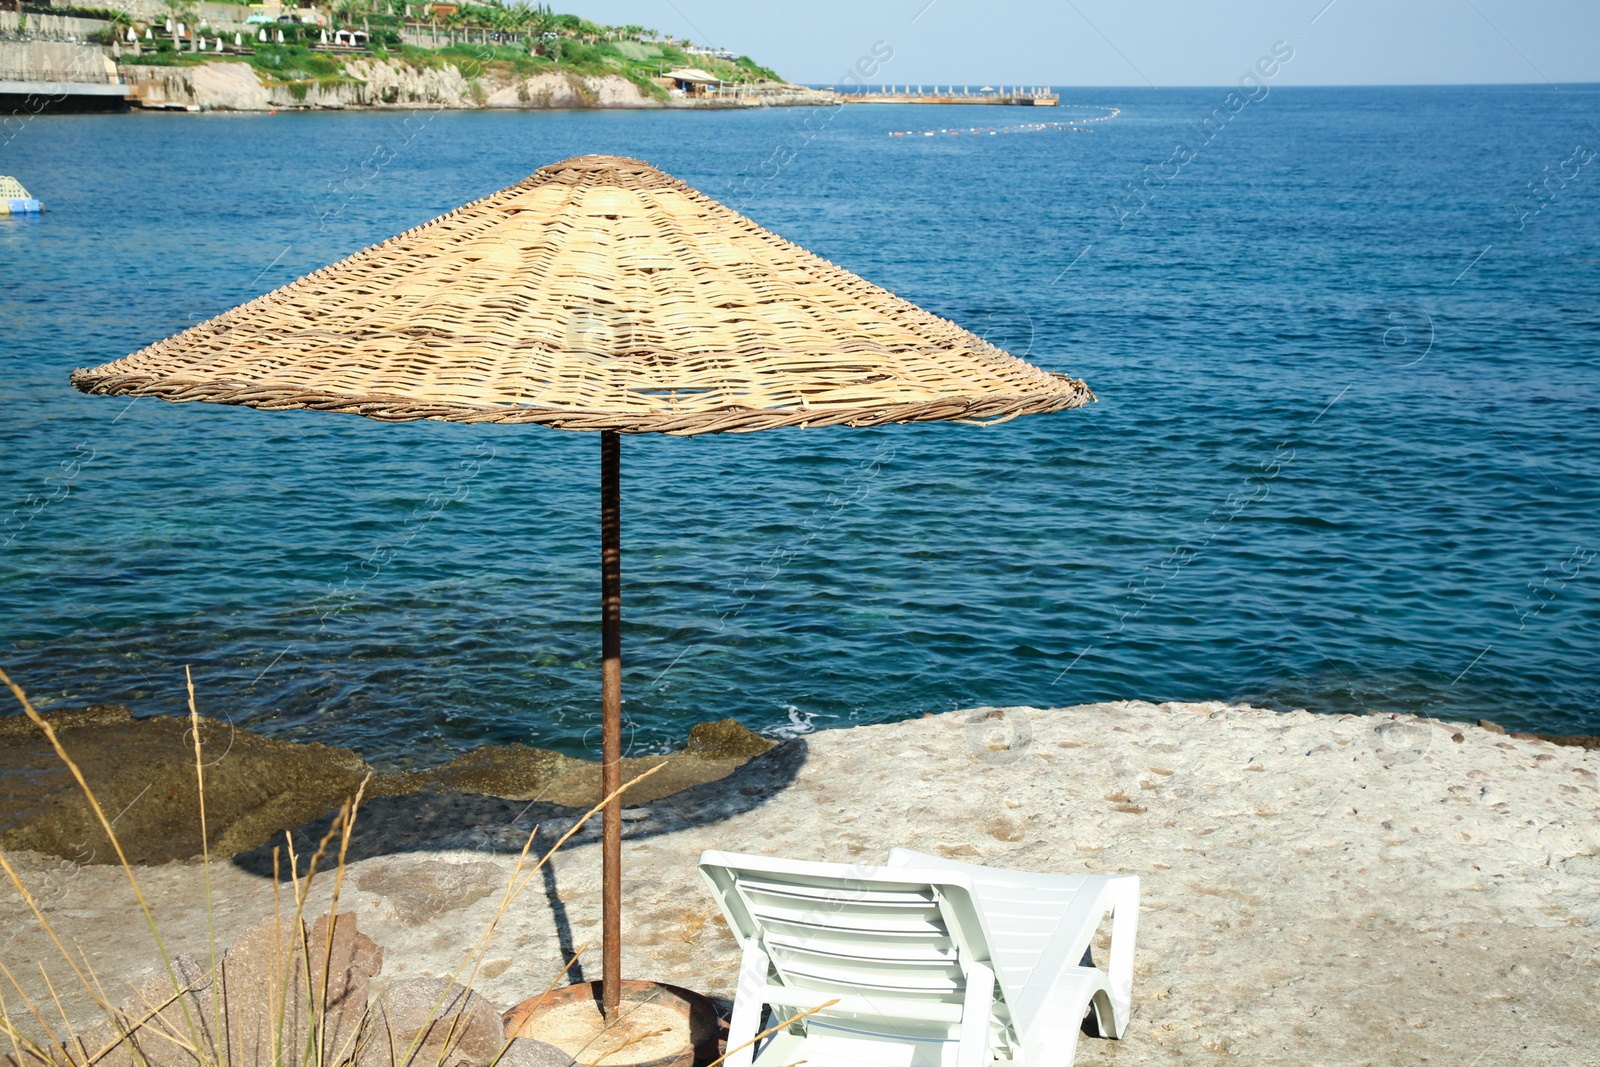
(1342, 458)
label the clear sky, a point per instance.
(1142, 42)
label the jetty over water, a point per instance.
(1025, 96)
(48, 65)
(29, 92)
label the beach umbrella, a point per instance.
(599, 295)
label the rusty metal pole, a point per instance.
(611, 715)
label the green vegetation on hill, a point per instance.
(495, 35)
(73, 11)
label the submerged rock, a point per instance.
(726, 739)
(142, 772)
(501, 770)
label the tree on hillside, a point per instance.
(345, 11)
(182, 13)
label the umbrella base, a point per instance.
(656, 1025)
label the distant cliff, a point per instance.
(232, 86)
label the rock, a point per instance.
(504, 770)
(371, 82)
(144, 769)
(1572, 741)
(726, 739)
(268, 959)
(228, 87)
(1234, 901)
(261, 996)
(1493, 728)
(432, 1022)
(190, 1016)
(526, 1052)
(258, 787)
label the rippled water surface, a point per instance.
(1343, 455)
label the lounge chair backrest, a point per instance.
(1044, 920)
(889, 944)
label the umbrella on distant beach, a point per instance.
(599, 294)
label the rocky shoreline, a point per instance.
(1330, 889)
(394, 84)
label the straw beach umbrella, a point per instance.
(603, 295)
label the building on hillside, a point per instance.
(691, 81)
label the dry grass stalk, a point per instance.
(315, 987)
(769, 1031)
(144, 906)
(205, 837)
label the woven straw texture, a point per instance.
(599, 294)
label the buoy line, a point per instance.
(1074, 126)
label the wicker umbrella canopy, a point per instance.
(599, 294)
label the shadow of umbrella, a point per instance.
(429, 822)
(432, 821)
(603, 295)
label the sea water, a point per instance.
(1346, 344)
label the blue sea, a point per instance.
(1346, 344)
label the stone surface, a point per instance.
(526, 1052)
(260, 1014)
(229, 87)
(1335, 890)
(420, 891)
(432, 1022)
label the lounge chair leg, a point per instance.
(747, 1004)
(1119, 972)
(1053, 1040)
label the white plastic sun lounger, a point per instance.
(932, 963)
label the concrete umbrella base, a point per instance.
(656, 1025)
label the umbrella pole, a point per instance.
(611, 716)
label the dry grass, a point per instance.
(300, 982)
